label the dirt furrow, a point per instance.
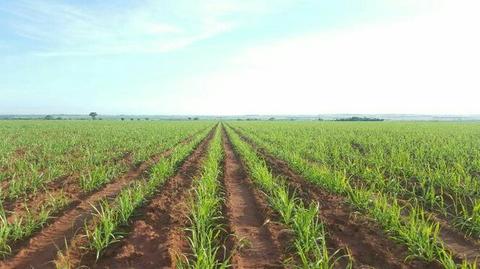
(256, 244)
(156, 237)
(41, 249)
(462, 246)
(365, 241)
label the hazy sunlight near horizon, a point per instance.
(235, 57)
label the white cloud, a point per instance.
(426, 64)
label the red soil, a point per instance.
(157, 237)
(461, 246)
(246, 217)
(42, 248)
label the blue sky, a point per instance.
(232, 57)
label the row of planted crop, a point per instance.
(21, 224)
(95, 175)
(419, 233)
(206, 232)
(20, 227)
(437, 165)
(309, 233)
(102, 174)
(440, 172)
(111, 215)
(40, 152)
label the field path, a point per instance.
(246, 217)
(365, 241)
(42, 248)
(157, 236)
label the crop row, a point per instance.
(31, 216)
(110, 216)
(416, 229)
(206, 231)
(309, 232)
(437, 165)
(36, 153)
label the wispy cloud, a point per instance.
(62, 29)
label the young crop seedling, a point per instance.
(310, 235)
(206, 229)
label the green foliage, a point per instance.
(426, 166)
(310, 236)
(110, 216)
(206, 226)
(34, 154)
(27, 221)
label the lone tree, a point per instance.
(93, 115)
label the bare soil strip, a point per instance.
(42, 248)
(257, 245)
(157, 236)
(458, 243)
(365, 241)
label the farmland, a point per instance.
(240, 194)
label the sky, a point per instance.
(237, 57)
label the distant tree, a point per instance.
(196, 118)
(122, 119)
(93, 115)
(147, 119)
(320, 119)
(58, 118)
(189, 118)
(131, 118)
(272, 118)
(48, 117)
(359, 119)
